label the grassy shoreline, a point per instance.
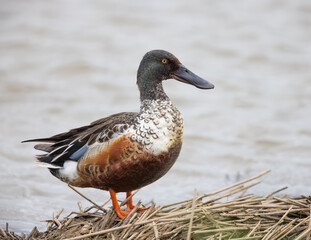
(228, 213)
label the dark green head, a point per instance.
(159, 65)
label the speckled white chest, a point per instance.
(156, 125)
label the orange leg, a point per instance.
(121, 214)
(130, 205)
(129, 202)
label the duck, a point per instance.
(128, 150)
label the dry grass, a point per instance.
(229, 213)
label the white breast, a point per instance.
(155, 126)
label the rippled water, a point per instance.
(66, 63)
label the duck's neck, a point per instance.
(153, 93)
(150, 87)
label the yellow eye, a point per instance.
(164, 60)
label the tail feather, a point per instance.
(39, 140)
(44, 147)
(46, 164)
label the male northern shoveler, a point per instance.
(127, 150)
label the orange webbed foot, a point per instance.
(121, 214)
(130, 205)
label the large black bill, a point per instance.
(186, 76)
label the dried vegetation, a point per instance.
(228, 213)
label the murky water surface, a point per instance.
(64, 64)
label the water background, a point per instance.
(64, 64)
